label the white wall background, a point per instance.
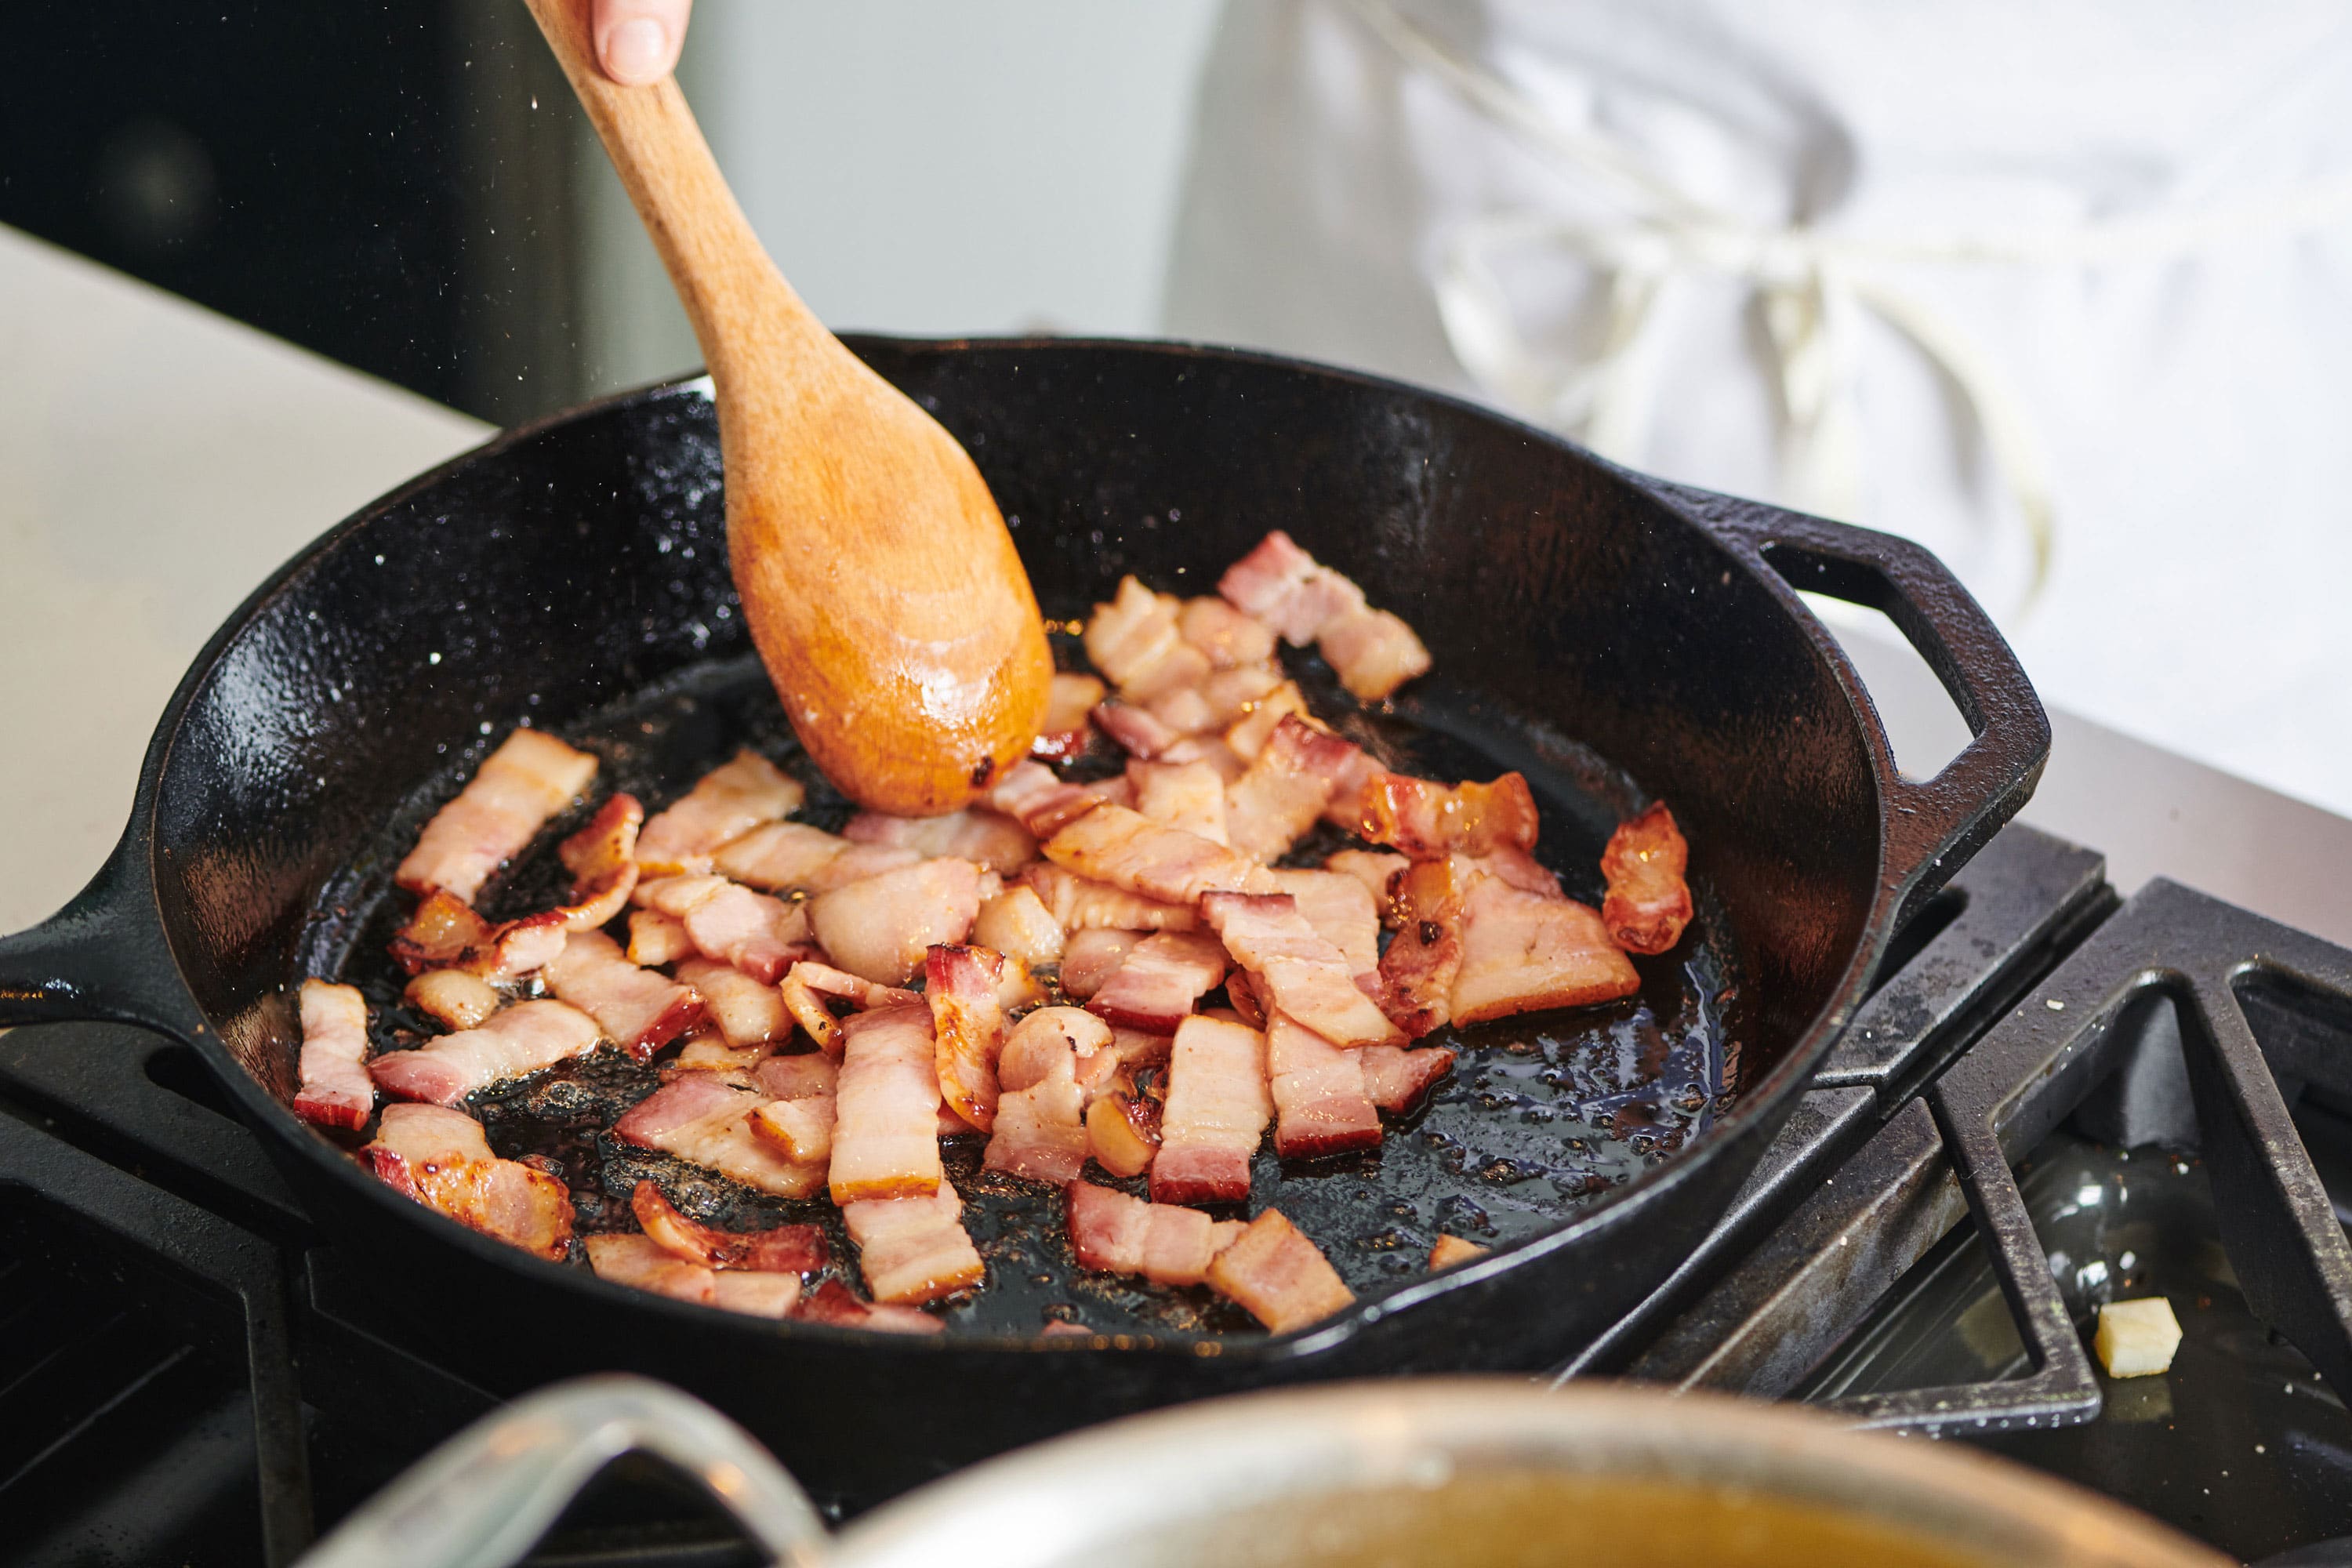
(936, 167)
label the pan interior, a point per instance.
(1543, 1114)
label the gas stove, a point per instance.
(2053, 1097)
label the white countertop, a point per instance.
(158, 461)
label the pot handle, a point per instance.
(484, 1497)
(102, 958)
(1931, 824)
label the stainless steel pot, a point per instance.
(1491, 1472)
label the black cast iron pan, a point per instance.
(1576, 613)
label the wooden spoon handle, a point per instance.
(723, 276)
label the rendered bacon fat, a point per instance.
(784, 1248)
(1156, 984)
(525, 1038)
(442, 1159)
(528, 779)
(1649, 903)
(1320, 1103)
(726, 804)
(704, 1118)
(336, 1090)
(1166, 1242)
(1294, 968)
(967, 1028)
(913, 1249)
(885, 1121)
(1216, 1113)
(639, 1010)
(1282, 1277)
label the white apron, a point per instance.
(2062, 291)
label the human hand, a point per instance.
(637, 41)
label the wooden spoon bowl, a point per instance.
(880, 585)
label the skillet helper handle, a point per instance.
(1930, 823)
(102, 958)
(485, 1496)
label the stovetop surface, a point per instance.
(190, 1374)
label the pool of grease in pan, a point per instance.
(1542, 1112)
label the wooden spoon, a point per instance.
(881, 586)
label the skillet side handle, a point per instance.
(102, 958)
(1932, 826)
(484, 1497)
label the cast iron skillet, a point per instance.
(565, 565)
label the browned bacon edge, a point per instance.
(834, 1303)
(967, 1028)
(1649, 901)
(781, 1249)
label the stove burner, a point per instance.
(192, 1374)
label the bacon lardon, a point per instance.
(524, 1038)
(655, 938)
(641, 1262)
(799, 1119)
(1017, 924)
(1319, 1099)
(913, 1249)
(1293, 967)
(885, 1121)
(1079, 903)
(1039, 1126)
(880, 929)
(1376, 870)
(780, 1249)
(1126, 849)
(1134, 641)
(1523, 952)
(1417, 971)
(1278, 584)
(703, 1117)
(1216, 1113)
(709, 1052)
(748, 1013)
(967, 1028)
(1340, 911)
(1155, 986)
(1396, 1079)
(1449, 1250)
(989, 840)
(1286, 787)
(1248, 735)
(833, 1302)
(1066, 732)
(445, 932)
(1092, 957)
(1190, 795)
(726, 804)
(602, 859)
(336, 1090)
(1649, 901)
(528, 780)
(1283, 1278)
(758, 935)
(1232, 639)
(794, 856)
(460, 1000)
(639, 1010)
(1122, 1132)
(442, 1159)
(754, 1294)
(1138, 730)
(1373, 651)
(1165, 1243)
(1428, 821)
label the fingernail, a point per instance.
(637, 51)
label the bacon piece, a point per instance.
(1232, 639)
(1523, 952)
(442, 1159)
(756, 1295)
(725, 804)
(1375, 870)
(711, 1053)
(1092, 957)
(1017, 924)
(602, 859)
(1286, 787)
(1248, 735)
(1280, 584)
(336, 1090)
(1040, 1127)
(795, 857)
(1348, 779)
(703, 1117)
(967, 1028)
(886, 1125)
(1079, 904)
(799, 1119)
(1518, 868)
(1449, 1250)
(1282, 1277)
(1184, 710)
(913, 1249)
(833, 1302)
(1373, 651)
(1428, 821)
(1113, 844)
(447, 933)
(1216, 1110)
(1137, 730)
(1123, 1131)
(758, 935)
(1341, 913)
(1418, 969)
(641, 1261)
(746, 1011)
(1134, 641)
(1319, 1099)
(1156, 984)
(1232, 695)
(528, 779)
(1165, 1243)
(989, 840)
(1295, 968)
(1190, 795)
(1649, 903)
(1031, 795)
(456, 998)
(657, 939)
(525, 1038)
(880, 929)
(639, 1010)
(1396, 1079)
(1243, 993)
(780, 1249)
(1064, 733)
(810, 985)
